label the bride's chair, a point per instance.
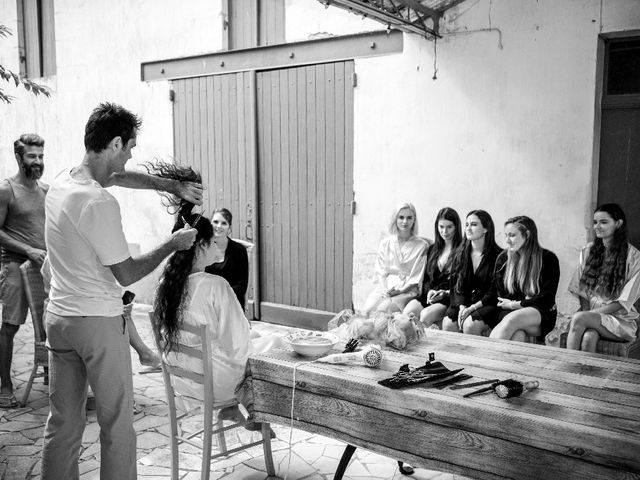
(203, 437)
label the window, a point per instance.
(623, 67)
(36, 38)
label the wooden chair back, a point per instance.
(203, 377)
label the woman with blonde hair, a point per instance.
(525, 284)
(400, 263)
(607, 282)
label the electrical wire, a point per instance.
(293, 396)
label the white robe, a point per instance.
(211, 301)
(623, 322)
(401, 265)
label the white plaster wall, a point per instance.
(508, 126)
(100, 46)
(310, 19)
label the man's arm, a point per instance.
(6, 240)
(133, 269)
(189, 191)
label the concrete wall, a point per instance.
(509, 125)
(100, 46)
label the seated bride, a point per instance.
(186, 294)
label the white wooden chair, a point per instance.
(202, 438)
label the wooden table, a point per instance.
(583, 422)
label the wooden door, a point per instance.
(214, 132)
(305, 178)
(619, 174)
(619, 170)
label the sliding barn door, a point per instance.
(305, 182)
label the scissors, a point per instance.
(194, 223)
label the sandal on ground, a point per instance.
(9, 401)
(405, 468)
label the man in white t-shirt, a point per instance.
(86, 331)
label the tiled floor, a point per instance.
(313, 457)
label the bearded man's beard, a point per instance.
(33, 171)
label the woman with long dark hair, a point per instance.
(433, 301)
(400, 263)
(472, 309)
(234, 266)
(607, 283)
(187, 294)
(525, 282)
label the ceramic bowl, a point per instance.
(311, 344)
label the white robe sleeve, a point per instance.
(631, 290)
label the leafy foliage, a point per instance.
(9, 76)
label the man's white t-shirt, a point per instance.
(83, 233)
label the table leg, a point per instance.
(344, 461)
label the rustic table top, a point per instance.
(582, 422)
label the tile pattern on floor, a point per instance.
(313, 457)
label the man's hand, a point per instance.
(189, 191)
(36, 255)
(192, 192)
(183, 239)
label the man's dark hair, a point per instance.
(27, 140)
(106, 122)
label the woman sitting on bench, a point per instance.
(471, 310)
(400, 263)
(607, 283)
(525, 284)
(433, 301)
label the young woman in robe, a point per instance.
(472, 309)
(434, 300)
(400, 263)
(607, 283)
(525, 281)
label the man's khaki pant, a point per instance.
(93, 349)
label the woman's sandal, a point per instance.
(9, 401)
(405, 469)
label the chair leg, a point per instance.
(27, 391)
(266, 448)
(222, 442)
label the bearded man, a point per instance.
(21, 238)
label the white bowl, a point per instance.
(310, 343)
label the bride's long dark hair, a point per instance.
(172, 289)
